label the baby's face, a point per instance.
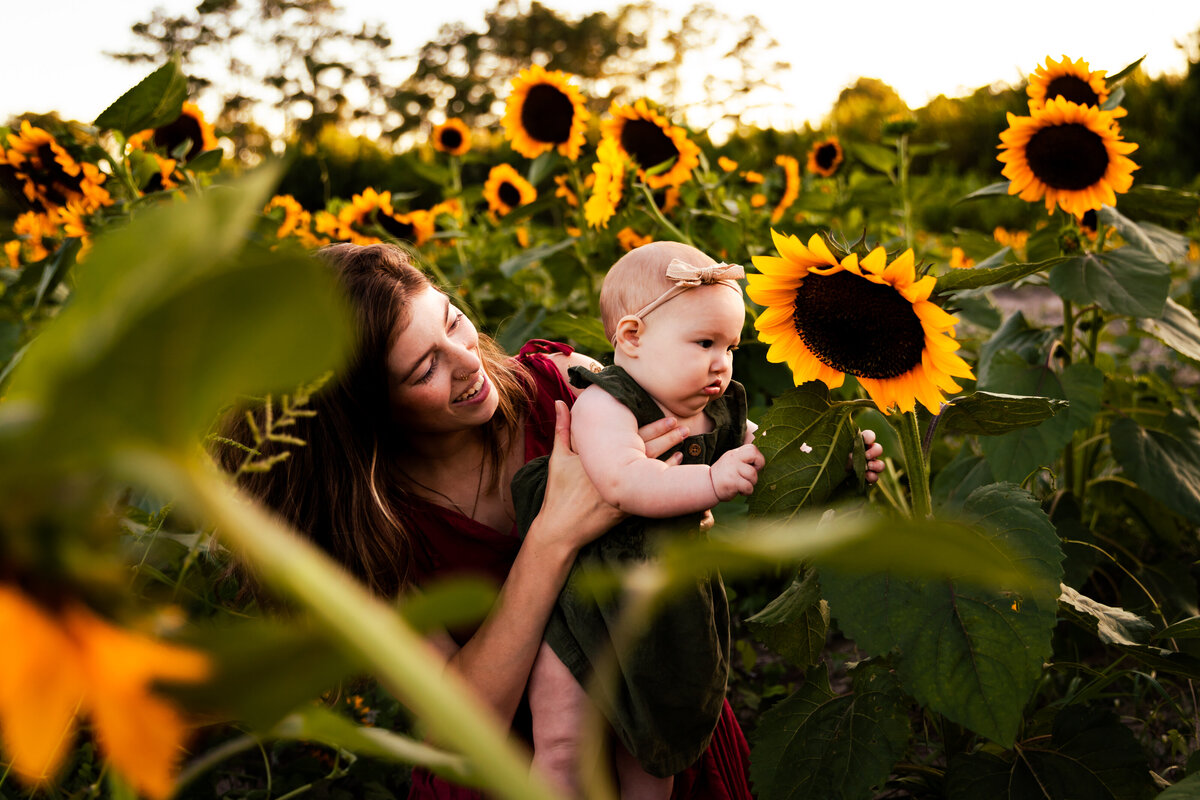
(685, 353)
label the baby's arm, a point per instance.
(604, 433)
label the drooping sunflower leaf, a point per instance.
(820, 744)
(963, 475)
(961, 279)
(1165, 462)
(1124, 281)
(1184, 629)
(155, 101)
(586, 332)
(875, 156)
(1177, 328)
(1160, 202)
(1167, 246)
(1017, 335)
(1089, 755)
(1111, 625)
(172, 319)
(209, 160)
(991, 190)
(990, 414)
(794, 624)
(1124, 72)
(1015, 454)
(972, 654)
(805, 438)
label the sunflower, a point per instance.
(667, 199)
(48, 175)
(727, 164)
(1071, 155)
(451, 207)
(564, 190)
(1071, 80)
(505, 190)
(35, 229)
(73, 218)
(164, 179)
(12, 250)
(189, 126)
(608, 184)
(959, 259)
(544, 112)
(354, 218)
(628, 238)
(452, 137)
(791, 188)
(650, 139)
(866, 318)
(825, 157)
(415, 226)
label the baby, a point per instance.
(675, 318)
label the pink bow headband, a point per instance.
(687, 276)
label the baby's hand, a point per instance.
(736, 472)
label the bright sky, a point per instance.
(53, 57)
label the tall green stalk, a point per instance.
(918, 469)
(905, 198)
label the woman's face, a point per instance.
(436, 379)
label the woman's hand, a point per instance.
(572, 510)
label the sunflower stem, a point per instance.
(918, 469)
(902, 152)
(683, 237)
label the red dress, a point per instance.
(453, 544)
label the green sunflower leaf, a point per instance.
(963, 475)
(1160, 202)
(1166, 462)
(877, 157)
(1115, 98)
(806, 440)
(1089, 755)
(991, 190)
(207, 161)
(155, 101)
(1177, 328)
(1014, 455)
(991, 414)
(1124, 72)
(586, 332)
(816, 743)
(976, 278)
(1186, 789)
(531, 256)
(1184, 629)
(1125, 281)
(794, 624)
(970, 653)
(1167, 246)
(173, 318)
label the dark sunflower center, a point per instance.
(547, 114)
(647, 143)
(1072, 88)
(826, 155)
(396, 228)
(509, 195)
(451, 138)
(54, 182)
(1088, 221)
(1067, 157)
(172, 135)
(861, 328)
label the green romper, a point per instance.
(671, 683)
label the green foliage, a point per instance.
(971, 654)
(157, 100)
(1165, 462)
(991, 414)
(1124, 281)
(818, 743)
(794, 624)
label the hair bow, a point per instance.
(686, 274)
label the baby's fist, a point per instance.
(736, 472)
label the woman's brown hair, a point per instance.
(343, 489)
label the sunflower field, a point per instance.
(1012, 611)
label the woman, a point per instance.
(405, 479)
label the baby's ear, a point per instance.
(628, 336)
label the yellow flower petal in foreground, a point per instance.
(863, 317)
(1069, 154)
(545, 112)
(73, 662)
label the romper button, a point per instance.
(694, 449)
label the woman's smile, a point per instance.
(476, 392)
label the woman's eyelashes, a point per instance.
(433, 362)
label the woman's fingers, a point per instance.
(661, 435)
(562, 426)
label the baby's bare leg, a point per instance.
(560, 709)
(636, 783)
